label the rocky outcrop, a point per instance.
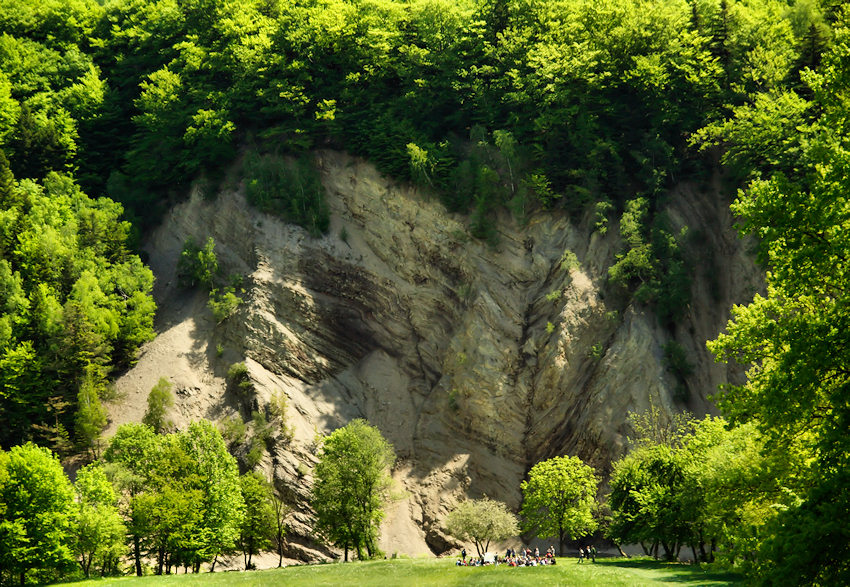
(475, 361)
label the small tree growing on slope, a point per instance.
(160, 399)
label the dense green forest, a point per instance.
(520, 105)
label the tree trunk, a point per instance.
(137, 555)
(346, 552)
(212, 566)
(694, 549)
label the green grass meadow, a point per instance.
(606, 572)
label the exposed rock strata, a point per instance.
(475, 362)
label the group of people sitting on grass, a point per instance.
(526, 558)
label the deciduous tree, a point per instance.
(559, 499)
(36, 514)
(351, 486)
(794, 336)
(258, 525)
(160, 400)
(98, 530)
(482, 521)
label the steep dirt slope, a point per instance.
(475, 362)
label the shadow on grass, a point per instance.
(677, 572)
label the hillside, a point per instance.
(510, 237)
(440, 341)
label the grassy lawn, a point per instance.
(607, 572)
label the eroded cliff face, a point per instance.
(474, 361)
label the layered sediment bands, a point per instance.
(474, 361)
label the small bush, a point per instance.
(596, 352)
(277, 412)
(238, 372)
(223, 304)
(600, 216)
(240, 384)
(263, 430)
(255, 453)
(569, 261)
(453, 400)
(197, 265)
(233, 430)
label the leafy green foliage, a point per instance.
(76, 304)
(160, 400)
(792, 337)
(653, 265)
(197, 265)
(559, 499)
(654, 426)
(233, 430)
(288, 188)
(351, 485)
(218, 474)
(240, 384)
(568, 115)
(703, 485)
(223, 304)
(646, 487)
(258, 525)
(98, 529)
(180, 494)
(91, 416)
(278, 406)
(49, 86)
(36, 515)
(482, 521)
